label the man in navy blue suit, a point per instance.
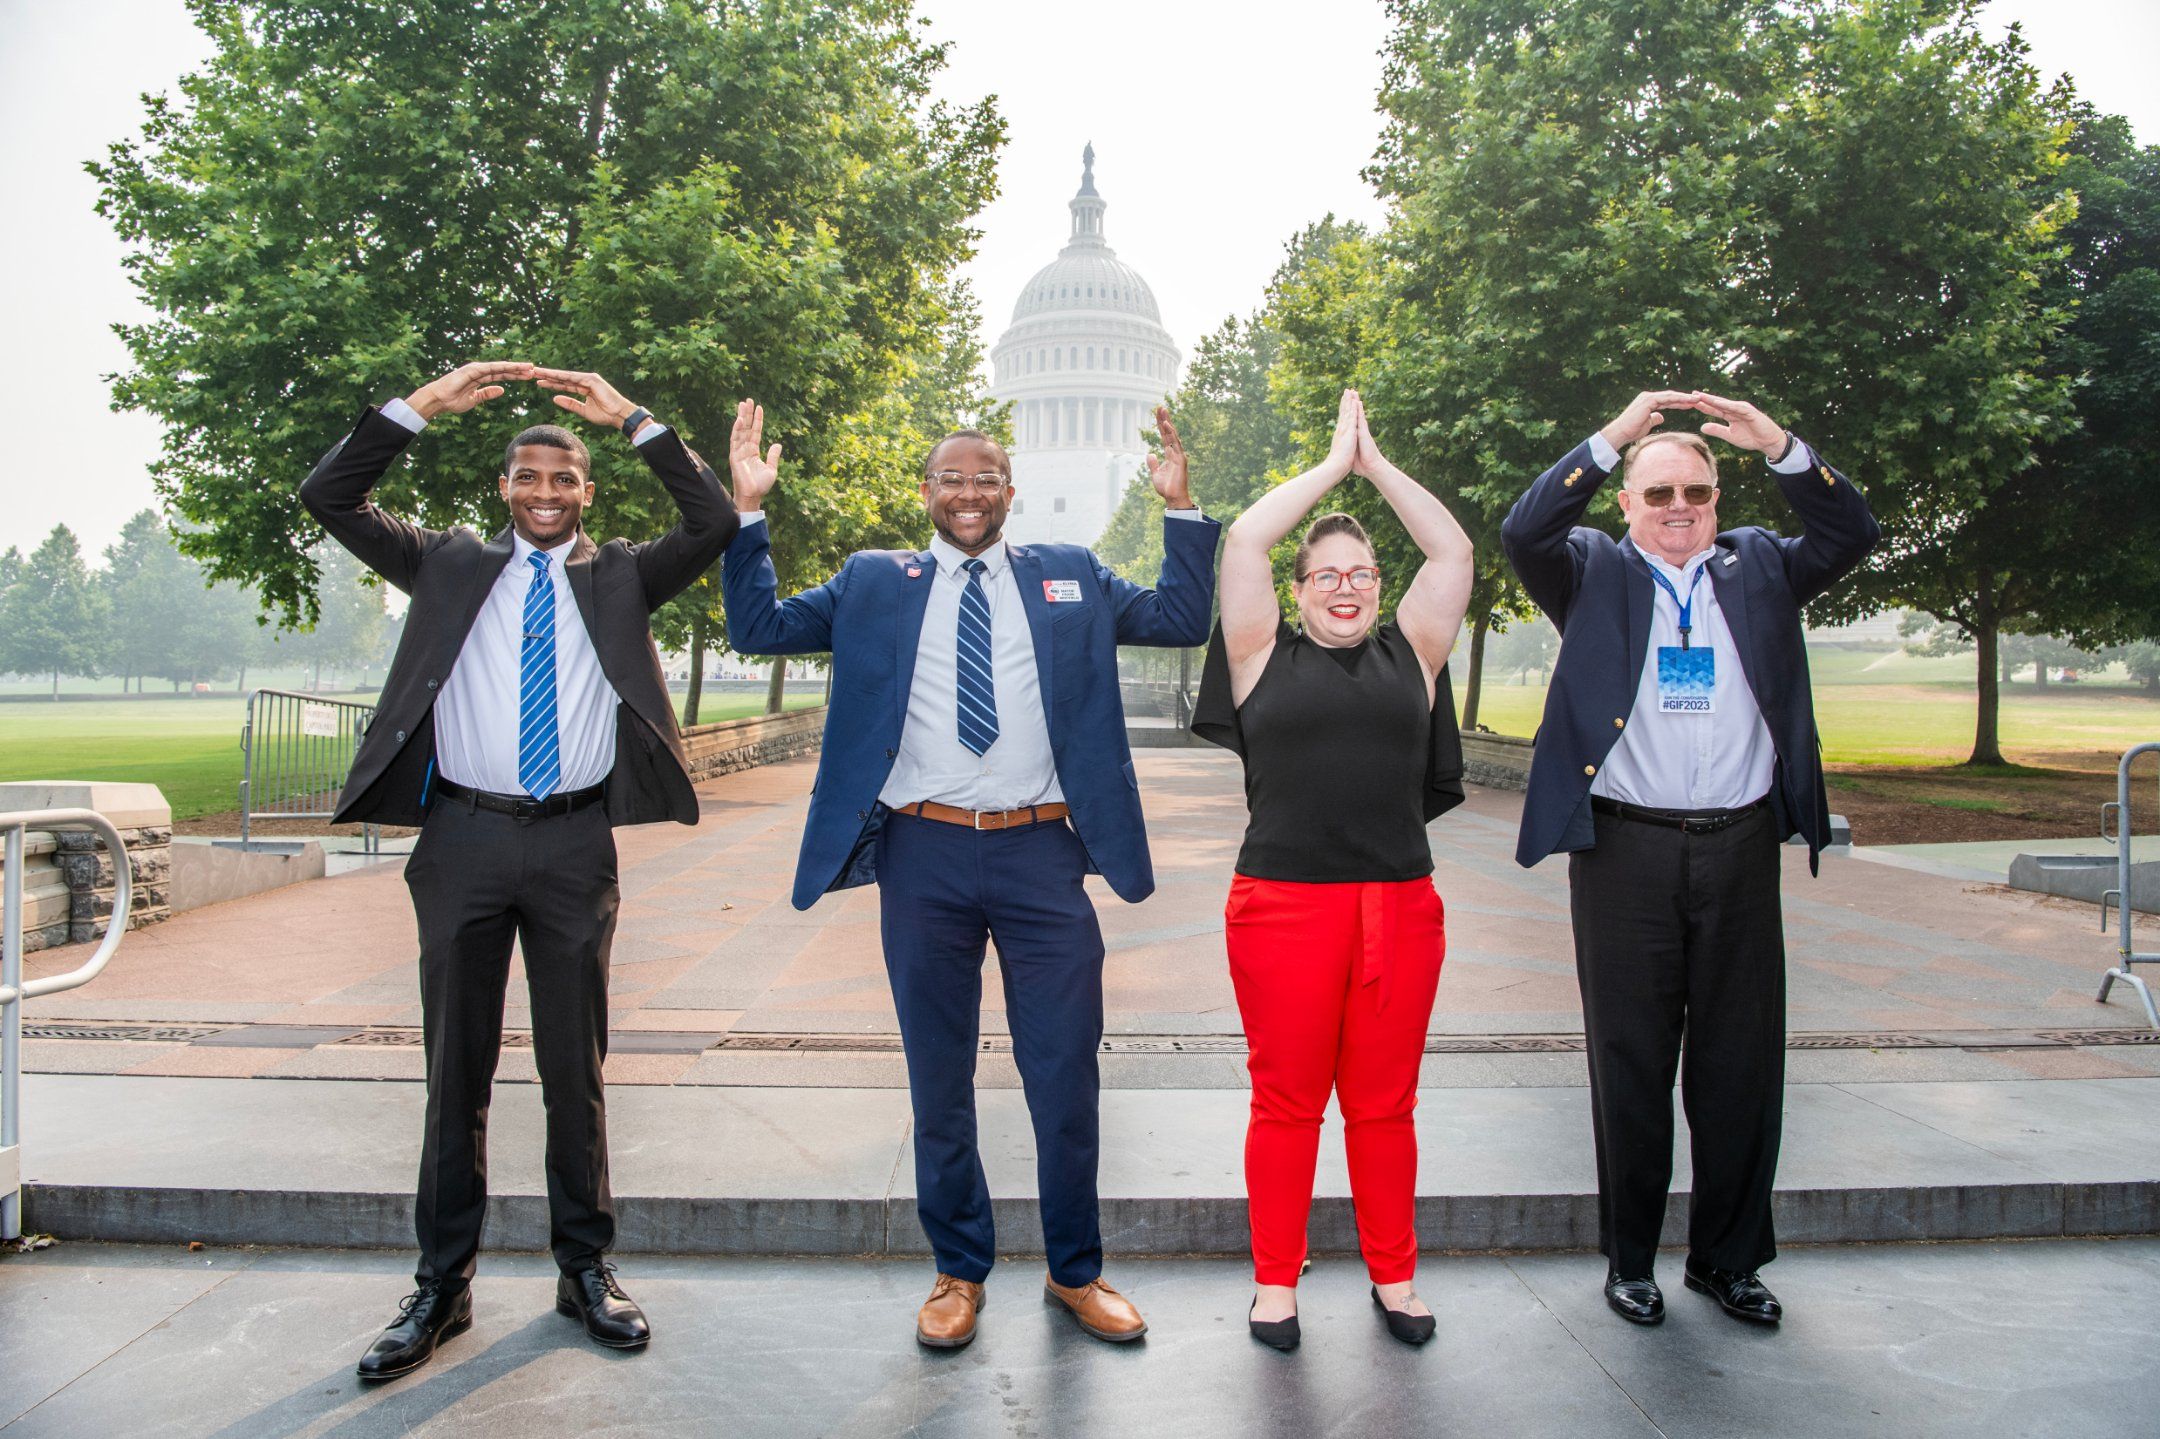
(975, 767)
(1671, 785)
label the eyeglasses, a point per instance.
(1659, 496)
(1364, 577)
(952, 482)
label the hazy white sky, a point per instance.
(1215, 140)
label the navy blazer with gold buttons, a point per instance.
(1599, 595)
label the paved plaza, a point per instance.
(1953, 1340)
(1895, 974)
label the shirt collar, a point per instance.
(1683, 573)
(522, 549)
(950, 557)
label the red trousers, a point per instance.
(1335, 984)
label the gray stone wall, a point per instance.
(68, 876)
(1498, 761)
(718, 749)
(89, 871)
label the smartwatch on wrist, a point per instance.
(636, 422)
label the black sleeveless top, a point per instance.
(1345, 761)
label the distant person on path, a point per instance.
(1677, 754)
(1336, 934)
(524, 716)
(975, 767)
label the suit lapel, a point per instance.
(494, 559)
(1730, 587)
(917, 574)
(1641, 606)
(578, 569)
(1027, 573)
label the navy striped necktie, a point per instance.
(539, 742)
(978, 695)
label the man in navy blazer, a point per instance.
(975, 767)
(1671, 785)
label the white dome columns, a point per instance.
(1084, 363)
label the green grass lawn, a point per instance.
(1895, 709)
(190, 748)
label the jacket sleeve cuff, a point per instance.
(403, 414)
(1602, 453)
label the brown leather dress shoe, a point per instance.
(1101, 1310)
(947, 1318)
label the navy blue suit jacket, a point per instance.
(870, 616)
(1599, 595)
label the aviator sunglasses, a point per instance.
(1659, 496)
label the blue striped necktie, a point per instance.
(978, 696)
(539, 745)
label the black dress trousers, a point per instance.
(1680, 950)
(479, 880)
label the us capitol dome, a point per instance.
(1083, 363)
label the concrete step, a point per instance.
(705, 1170)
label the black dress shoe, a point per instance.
(1638, 1301)
(591, 1294)
(1274, 1333)
(1409, 1328)
(1740, 1295)
(426, 1317)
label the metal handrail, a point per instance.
(13, 991)
(2125, 957)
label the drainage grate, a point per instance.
(694, 1042)
(158, 1033)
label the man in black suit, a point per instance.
(1671, 786)
(524, 716)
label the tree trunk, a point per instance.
(56, 685)
(240, 687)
(1476, 682)
(777, 691)
(2040, 678)
(697, 670)
(1987, 732)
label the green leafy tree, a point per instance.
(1915, 215)
(352, 629)
(52, 617)
(700, 201)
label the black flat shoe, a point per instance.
(426, 1317)
(1740, 1295)
(1274, 1333)
(592, 1295)
(1409, 1328)
(1638, 1301)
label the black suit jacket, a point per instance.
(1599, 595)
(448, 573)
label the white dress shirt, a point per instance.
(476, 716)
(1720, 760)
(1019, 769)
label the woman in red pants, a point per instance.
(1348, 734)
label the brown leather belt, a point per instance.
(984, 818)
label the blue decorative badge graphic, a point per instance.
(1686, 679)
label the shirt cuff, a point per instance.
(651, 429)
(746, 518)
(404, 414)
(1191, 514)
(1800, 459)
(1602, 454)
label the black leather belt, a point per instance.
(1686, 821)
(520, 806)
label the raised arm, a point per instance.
(1432, 608)
(336, 492)
(672, 563)
(1175, 612)
(759, 621)
(1838, 528)
(1251, 614)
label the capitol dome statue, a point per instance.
(1084, 363)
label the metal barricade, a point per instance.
(295, 753)
(2125, 957)
(13, 991)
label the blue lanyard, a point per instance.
(1687, 605)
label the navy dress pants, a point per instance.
(943, 890)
